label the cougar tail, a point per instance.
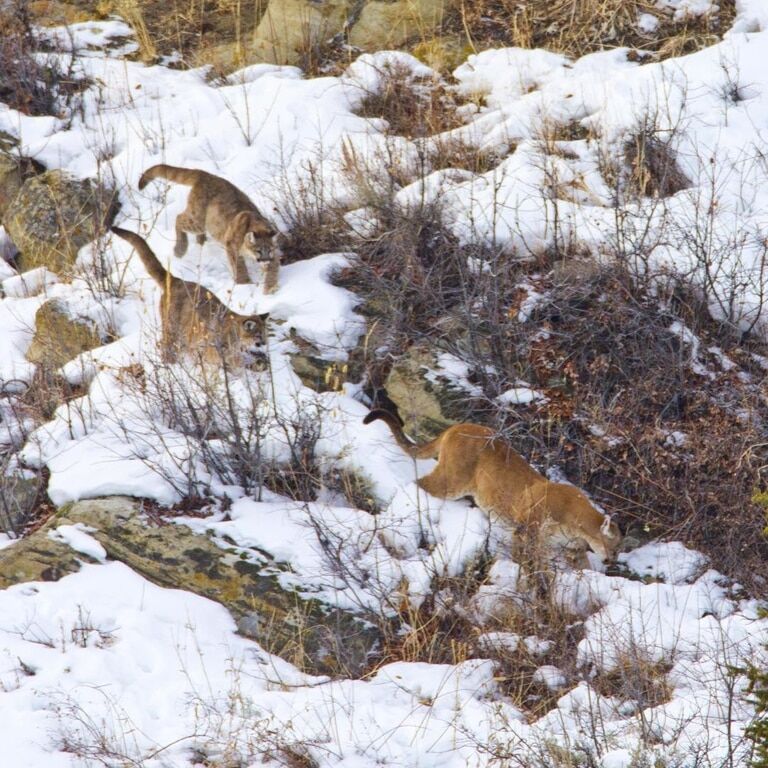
(170, 172)
(427, 451)
(151, 262)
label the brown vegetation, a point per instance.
(671, 442)
(578, 28)
(30, 82)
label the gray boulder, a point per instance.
(53, 215)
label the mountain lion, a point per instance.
(473, 461)
(219, 208)
(192, 316)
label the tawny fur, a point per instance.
(220, 209)
(473, 461)
(193, 318)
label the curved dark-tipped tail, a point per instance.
(178, 175)
(427, 451)
(148, 259)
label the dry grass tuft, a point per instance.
(412, 107)
(636, 679)
(132, 12)
(454, 152)
(524, 634)
(654, 171)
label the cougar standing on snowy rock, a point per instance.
(192, 316)
(473, 461)
(226, 213)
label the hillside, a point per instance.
(558, 231)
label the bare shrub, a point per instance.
(634, 418)
(206, 423)
(299, 478)
(30, 81)
(211, 424)
(412, 107)
(313, 220)
(654, 169)
(651, 405)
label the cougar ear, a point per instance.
(260, 228)
(251, 325)
(605, 528)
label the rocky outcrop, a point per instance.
(316, 637)
(60, 334)
(426, 402)
(383, 24)
(53, 215)
(290, 29)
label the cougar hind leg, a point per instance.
(185, 223)
(438, 484)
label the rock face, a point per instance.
(14, 171)
(426, 404)
(290, 28)
(60, 335)
(53, 215)
(383, 24)
(313, 636)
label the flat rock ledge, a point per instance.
(317, 638)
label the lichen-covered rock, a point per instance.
(53, 215)
(383, 24)
(428, 404)
(290, 28)
(14, 171)
(316, 637)
(7, 141)
(61, 335)
(37, 558)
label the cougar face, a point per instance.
(259, 246)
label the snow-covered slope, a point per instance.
(103, 662)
